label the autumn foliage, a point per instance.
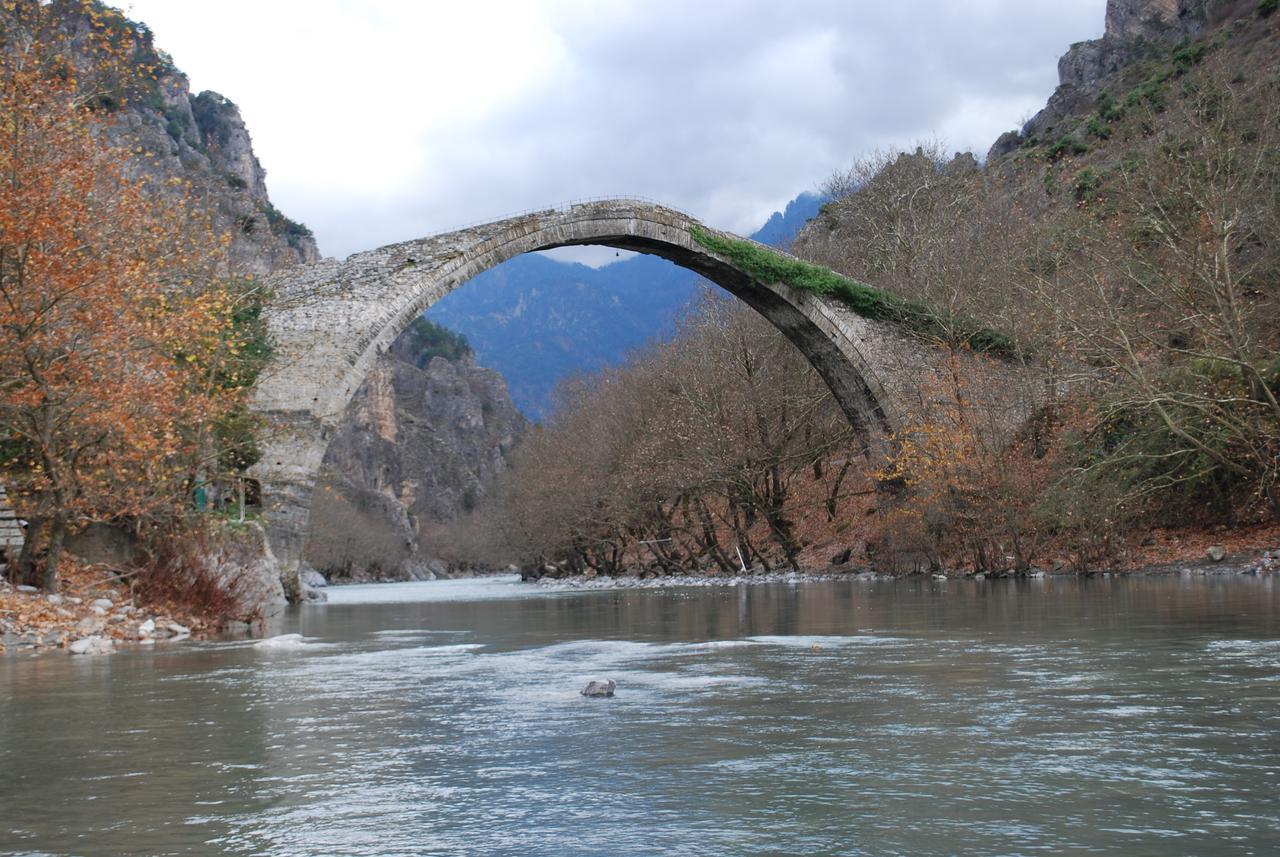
(115, 335)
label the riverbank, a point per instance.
(1265, 562)
(93, 614)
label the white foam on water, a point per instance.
(284, 642)
(809, 641)
(469, 589)
(1129, 710)
(1244, 647)
(457, 649)
(716, 645)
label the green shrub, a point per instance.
(1266, 7)
(1108, 109)
(1150, 91)
(1186, 56)
(236, 182)
(767, 266)
(1067, 145)
(1087, 184)
(1099, 129)
(291, 230)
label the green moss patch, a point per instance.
(768, 266)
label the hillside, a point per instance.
(1126, 239)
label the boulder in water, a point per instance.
(600, 688)
(311, 577)
(311, 595)
(92, 646)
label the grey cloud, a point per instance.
(712, 107)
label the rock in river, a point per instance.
(92, 646)
(313, 578)
(600, 688)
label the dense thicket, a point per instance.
(1140, 269)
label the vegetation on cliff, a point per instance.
(126, 347)
(1142, 266)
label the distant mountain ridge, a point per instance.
(537, 321)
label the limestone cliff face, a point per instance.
(203, 140)
(417, 446)
(195, 142)
(1135, 29)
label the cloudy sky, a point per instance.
(383, 120)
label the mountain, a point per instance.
(537, 321)
(782, 228)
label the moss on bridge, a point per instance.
(768, 266)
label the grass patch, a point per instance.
(769, 267)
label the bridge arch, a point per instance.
(330, 320)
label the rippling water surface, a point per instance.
(1132, 716)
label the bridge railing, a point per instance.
(565, 206)
(561, 208)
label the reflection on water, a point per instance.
(1123, 716)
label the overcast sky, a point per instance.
(384, 120)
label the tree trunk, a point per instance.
(57, 536)
(24, 570)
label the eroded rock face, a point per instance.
(203, 140)
(417, 446)
(1131, 20)
(1134, 29)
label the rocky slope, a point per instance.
(1136, 31)
(197, 142)
(203, 140)
(425, 435)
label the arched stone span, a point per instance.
(330, 320)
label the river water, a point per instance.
(1124, 716)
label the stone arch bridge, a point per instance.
(331, 319)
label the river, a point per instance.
(1123, 716)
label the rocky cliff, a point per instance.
(1136, 30)
(196, 142)
(425, 435)
(203, 140)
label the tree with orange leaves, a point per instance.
(111, 323)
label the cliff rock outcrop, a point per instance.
(1135, 29)
(203, 140)
(424, 437)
